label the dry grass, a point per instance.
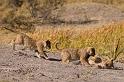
(103, 39)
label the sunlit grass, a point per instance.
(104, 39)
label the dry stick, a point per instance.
(8, 29)
(116, 50)
(14, 31)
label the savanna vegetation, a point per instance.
(108, 40)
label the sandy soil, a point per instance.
(16, 67)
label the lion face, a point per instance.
(91, 51)
(48, 44)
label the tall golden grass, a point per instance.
(104, 38)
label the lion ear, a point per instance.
(48, 42)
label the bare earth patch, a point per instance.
(27, 68)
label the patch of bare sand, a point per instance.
(27, 68)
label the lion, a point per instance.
(101, 63)
(29, 43)
(108, 64)
(72, 54)
(23, 39)
(41, 45)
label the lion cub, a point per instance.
(25, 41)
(104, 64)
(28, 43)
(71, 54)
(108, 64)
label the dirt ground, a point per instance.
(27, 68)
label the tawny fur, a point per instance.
(102, 64)
(29, 43)
(108, 64)
(26, 41)
(95, 60)
(71, 54)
